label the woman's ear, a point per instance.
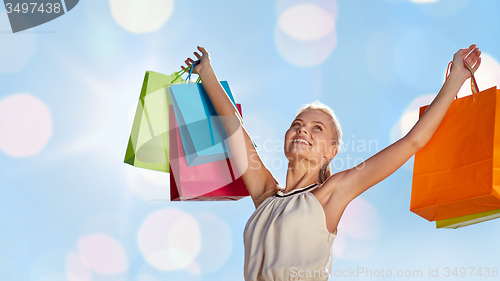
(332, 152)
(335, 150)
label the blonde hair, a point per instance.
(326, 170)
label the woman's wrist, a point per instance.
(459, 78)
(453, 83)
(205, 70)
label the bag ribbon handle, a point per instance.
(191, 71)
(473, 83)
(179, 73)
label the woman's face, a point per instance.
(311, 137)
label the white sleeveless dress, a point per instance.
(286, 238)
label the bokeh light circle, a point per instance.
(409, 117)
(103, 254)
(141, 16)
(76, 270)
(26, 125)
(441, 8)
(360, 220)
(305, 34)
(148, 184)
(169, 239)
(306, 22)
(217, 243)
(358, 231)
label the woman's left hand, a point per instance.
(472, 56)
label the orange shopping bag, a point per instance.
(458, 172)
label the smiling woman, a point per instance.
(326, 131)
(294, 226)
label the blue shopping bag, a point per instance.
(201, 130)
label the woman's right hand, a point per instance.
(472, 56)
(203, 64)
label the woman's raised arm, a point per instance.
(256, 176)
(347, 185)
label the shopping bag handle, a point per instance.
(179, 73)
(191, 71)
(473, 83)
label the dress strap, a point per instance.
(295, 191)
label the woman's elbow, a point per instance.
(416, 144)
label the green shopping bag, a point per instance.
(149, 140)
(468, 219)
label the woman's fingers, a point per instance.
(477, 65)
(189, 61)
(466, 51)
(202, 50)
(475, 60)
(474, 56)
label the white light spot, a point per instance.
(305, 34)
(193, 268)
(360, 220)
(306, 22)
(357, 230)
(103, 254)
(25, 125)
(169, 239)
(155, 177)
(442, 8)
(409, 117)
(148, 184)
(76, 270)
(141, 16)
(217, 243)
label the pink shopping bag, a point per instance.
(214, 181)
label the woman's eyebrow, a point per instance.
(319, 123)
(298, 119)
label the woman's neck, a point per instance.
(301, 174)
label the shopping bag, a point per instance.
(148, 142)
(458, 172)
(213, 181)
(462, 221)
(202, 132)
